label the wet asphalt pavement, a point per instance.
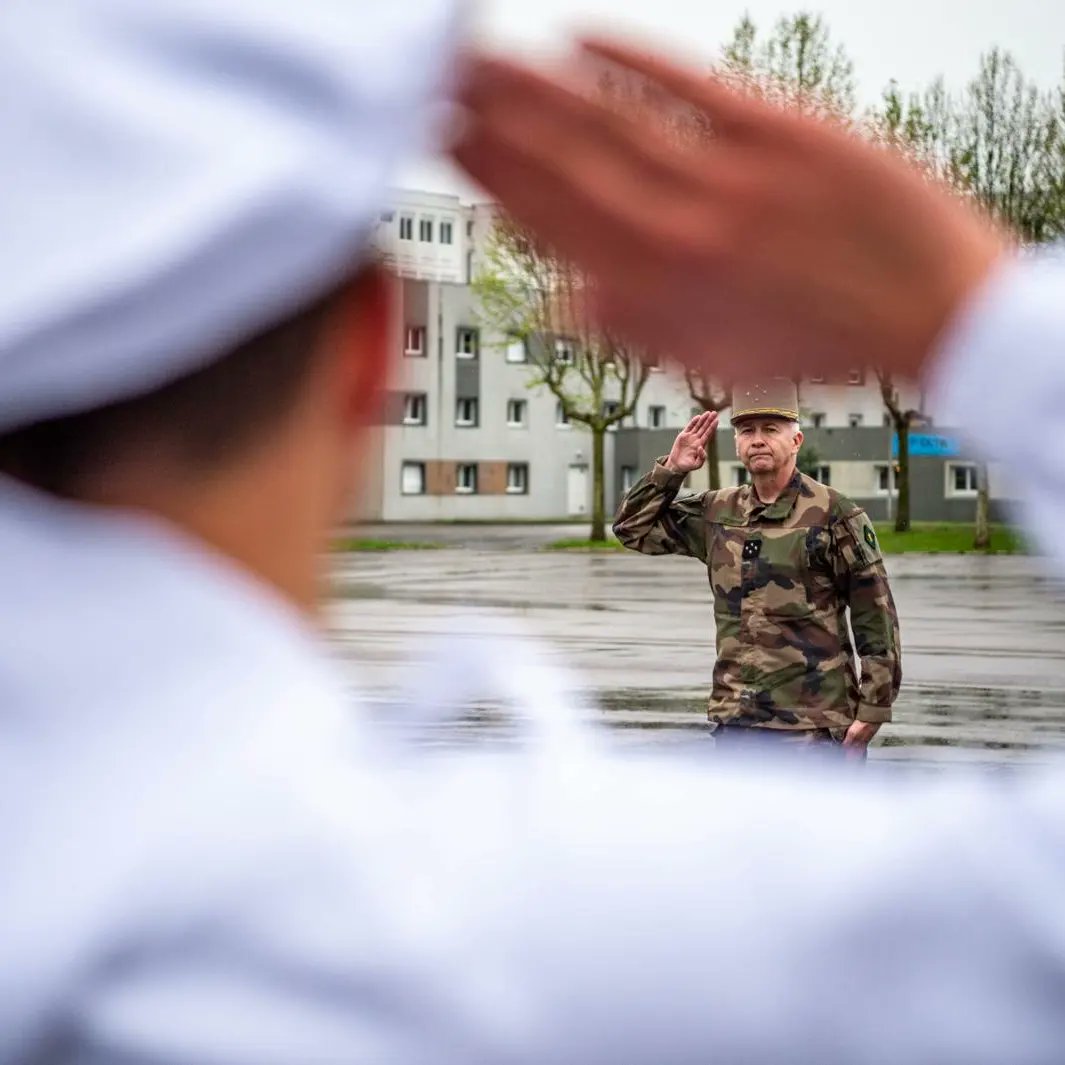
(983, 638)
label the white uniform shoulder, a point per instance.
(999, 372)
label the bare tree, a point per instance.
(918, 126)
(902, 420)
(709, 396)
(528, 294)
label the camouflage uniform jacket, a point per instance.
(782, 576)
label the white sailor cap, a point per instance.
(181, 173)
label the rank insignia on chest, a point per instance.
(870, 537)
(751, 550)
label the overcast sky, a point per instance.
(910, 40)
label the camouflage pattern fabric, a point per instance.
(783, 576)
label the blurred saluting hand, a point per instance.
(782, 243)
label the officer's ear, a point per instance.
(799, 438)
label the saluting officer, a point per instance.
(787, 556)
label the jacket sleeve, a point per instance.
(653, 519)
(863, 583)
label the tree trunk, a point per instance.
(982, 540)
(598, 486)
(712, 466)
(902, 512)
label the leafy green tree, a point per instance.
(527, 294)
(998, 142)
(797, 64)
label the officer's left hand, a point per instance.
(860, 734)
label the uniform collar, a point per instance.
(756, 510)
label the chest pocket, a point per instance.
(778, 580)
(727, 567)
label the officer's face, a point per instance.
(766, 445)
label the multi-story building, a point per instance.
(467, 437)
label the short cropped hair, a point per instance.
(202, 419)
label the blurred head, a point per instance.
(187, 326)
(768, 445)
(256, 453)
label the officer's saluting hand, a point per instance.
(689, 449)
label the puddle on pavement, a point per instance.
(934, 725)
(984, 640)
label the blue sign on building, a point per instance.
(944, 447)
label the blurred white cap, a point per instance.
(181, 173)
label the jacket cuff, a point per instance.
(661, 477)
(874, 715)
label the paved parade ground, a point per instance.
(983, 638)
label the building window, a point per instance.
(564, 351)
(885, 479)
(817, 420)
(516, 350)
(469, 268)
(610, 410)
(466, 479)
(656, 417)
(516, 411)
(740, 476)
(962, 480)
(823, 474)
(445, 232)
(855, 420)
(406, 227)
(415, 409)
(856, 377)
(466, 412)
(425, 230)
(414, 344)
(466, 342)
(469, 229)
(412, 479)
(561, 417)
(517, 478)
(628, 478)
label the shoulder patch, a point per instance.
(870, 536)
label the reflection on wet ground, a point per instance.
(983, 639)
